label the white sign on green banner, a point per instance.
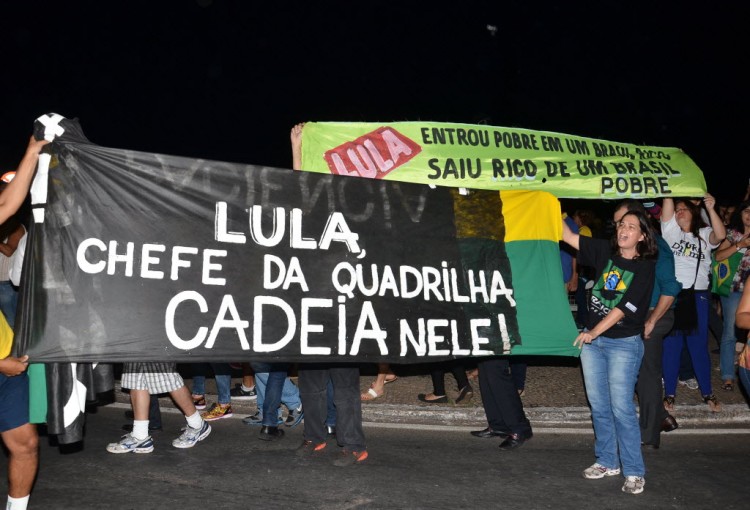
(491, 157)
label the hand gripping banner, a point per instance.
(142, 256)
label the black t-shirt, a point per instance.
(621, 283)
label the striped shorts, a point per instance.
(154, 377)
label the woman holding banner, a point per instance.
(692, 242)
(612, 349)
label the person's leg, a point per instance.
(261, 381)
(23, 459)
(489, 370)
(697, 343)
(248, 379)
(437, 374)
(458, 369)
(502, 403)
(199, 371)
(272, 397)
(649, 389)
(290, 395)
(197, 428)
(672, 346)
(349, 432)
(623, 358)
(727, 346)
(154, 413)
(595, 373)
(686, 371)
(313, 379)
(715, 319)
(183, 400)
(378, 385)
(140, 400)
(744, 375)
(223, 377)
(330, 404)
(518, 371)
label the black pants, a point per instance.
(649, 388)
(313, 382)
(502, 404)
(438, 376)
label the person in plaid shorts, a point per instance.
(144, 379)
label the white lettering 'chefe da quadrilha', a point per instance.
(425, 336)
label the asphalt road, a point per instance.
(409, 467)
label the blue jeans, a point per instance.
(273, 388)
(8, 302)
(610, 370)
(222, 375)
(744, 378)
(331, 405)
(726, 347)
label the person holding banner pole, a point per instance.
(19, 436)
(480, 234)
(313, 388)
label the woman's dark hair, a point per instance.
(633, 205)
(647, 248)
(696, 222)
(735, 222)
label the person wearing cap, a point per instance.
(20, 437)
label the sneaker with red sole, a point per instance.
(350, 458)
(308, 448)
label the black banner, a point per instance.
(138, 256)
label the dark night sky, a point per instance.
(226, 80)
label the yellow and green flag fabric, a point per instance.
(533, 227)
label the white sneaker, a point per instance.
(691, 383)
(633, 484)
(597, 471)
(191, 436)
(128, 444)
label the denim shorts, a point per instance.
(14, 401)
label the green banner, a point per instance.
(499, 158)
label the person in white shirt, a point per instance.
(692, 242)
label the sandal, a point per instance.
(713, 403)
(465, 394)
(370, 395)
(727, 386)
(669, 403)
(393, 378)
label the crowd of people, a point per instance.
(645, 294)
